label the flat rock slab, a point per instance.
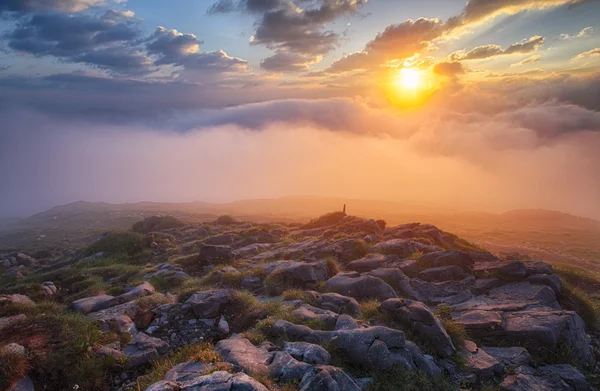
(91, 304)
(479, 320)
(510, 357)
(143, 348)
(546, 378)
(443, 273)
(360, 287)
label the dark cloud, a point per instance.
(481, 52)
(295, 31)
(102, 42)
(49, 5)
(171, 45)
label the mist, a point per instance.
(464, 149)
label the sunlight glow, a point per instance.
(409, 78)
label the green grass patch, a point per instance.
(400, 379)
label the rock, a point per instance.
(307, 352)
(9, 321)
(116, 318)
(20, 300)
(449, 292)
(143, 348)
(164, 385)
(550, 280)
(190, 370)
(346, 322)
(512, 270)
(480, 322)
(14, 348)
(525, 292)
(252, 283)
(400, 247)
(447, 258)
(215, 254)
(538, 267)
(49, 288)
(510, 357)
(333, 302)
(241, 352)
(167, 271)
(370, 262)
(224, 239)
(288, 274)
(91, 304)
(483, 285)
(560, 377)
(107, 351)
(480, 363)
(223, 381)
(210, 304)
(327, 378)
(397, 280)
(422, 321)
(309, 313)
(23, 384)
(360, 287)
(409, 267)
(547, 330)
(144, 289)
(26, 260)
(443, 273)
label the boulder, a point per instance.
(143, 348)
(23, 384)
(9, 321)
(443, 273)
(91, 304)
(550, 280)
(241, 352)
(447, 258)
(370, 262)
(525, 292)
(309, 313)
(327, 378)
(480, 363)
(190, 370)
(210, 304)
(48, 288)
(422, 321)
(449, 292)
(333, 302)
(510, 357)
(483, 285)
(360, 287)
(560, 377)
(346, 322)
(223, 381)
(215, 254)
(400, 247)
(288, 274)
(307, 352)
(397, 280)
(16, 299)
(512, 270)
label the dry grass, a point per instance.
(13, 366)
(293, 294)
(369, 310)
(455, 330)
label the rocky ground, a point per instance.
(340, 303)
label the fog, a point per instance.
(493, 147)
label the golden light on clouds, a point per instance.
(410, 87)
(409, 78)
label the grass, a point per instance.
(580, 293)
(203, 353)
(400, 379)
(119, 242)
(13, 366)
(333, 267)
(157, 223)
(152, 301)
(226, 219)
(455, 330)
(369, 310)
(293, 294)
(325, 220)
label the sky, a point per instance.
(484, 105)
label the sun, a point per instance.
(409, 78)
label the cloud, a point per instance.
(397, 41)
(465, 149)
(171, 45)
(590, 53)
(488, 51)
(296, 34)
(586, 32)
(528, 60)
(103, 42)
(51, 5)
(449, 69)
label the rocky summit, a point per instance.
(341, 303)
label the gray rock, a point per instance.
(399, 247)
(210, 304)
(49, 288)
(370, 262)
(360, 287)
(143, 348)
(91, 304)
(478, 321)
(538, 267)
(308, 312)
(443, 273)
(333, 302)
(447, 258)
(307, 352)
(298, 274)
(327, 378)
(397, 280)
(547, 378)
(215, 254)
(525, 292)
(550, 280)
(190, 370)
(241, 352)
(513, 270)
(346, 322)
(480, 363)
(449, 292)
(9, 321)
(422, 321)
(164, 385)
(223, 381)
(23, 384)
(510, 357)
(483, 285)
